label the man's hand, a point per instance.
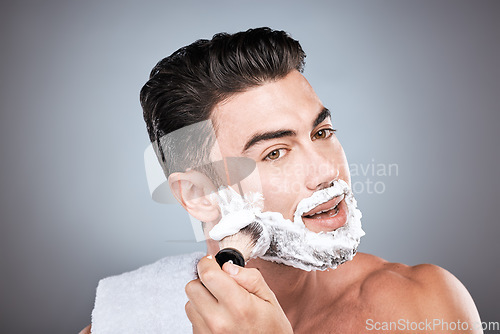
(233, 300)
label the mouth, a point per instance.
(327, 216)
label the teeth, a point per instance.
(317, 213)
(326, 210)
(334, 213)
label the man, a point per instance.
(250, 86)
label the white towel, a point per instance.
(148, 300)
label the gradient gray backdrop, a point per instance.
(414, 83)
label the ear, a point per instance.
(192, 190)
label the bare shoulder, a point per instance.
(381, 274)
(424, 291)
(86, 330)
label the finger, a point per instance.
(251, 280)
(222, 287)
(199, 296)
(199, 325)
(202, 305)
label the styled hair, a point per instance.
(184, 88)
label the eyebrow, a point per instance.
(325, 113)
(267, 136)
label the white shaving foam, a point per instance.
(287, 242)
(236, 211)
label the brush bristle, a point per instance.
(244, 241)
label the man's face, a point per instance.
(285, 128)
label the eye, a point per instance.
(275, 155)
(324, 133)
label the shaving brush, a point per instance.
(237, 248)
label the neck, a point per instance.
(294, 288)
(291, 286)
(297, 290)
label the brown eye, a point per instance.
(273, 155)
(324, 134)
(321, 134)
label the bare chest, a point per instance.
(341, 321)
(344, 316)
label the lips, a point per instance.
(327, 216)
(325, 207)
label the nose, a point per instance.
(321, 169)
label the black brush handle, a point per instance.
(230, 254)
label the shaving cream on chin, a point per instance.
(291, 243)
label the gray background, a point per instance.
(414, 83)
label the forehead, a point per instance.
(288, 103)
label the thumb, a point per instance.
(251, 280)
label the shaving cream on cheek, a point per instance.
(287, 242)
(237, 211)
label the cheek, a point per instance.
(280, 191)
(279, 202)
(278, 181)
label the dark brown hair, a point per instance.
(184, 88)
